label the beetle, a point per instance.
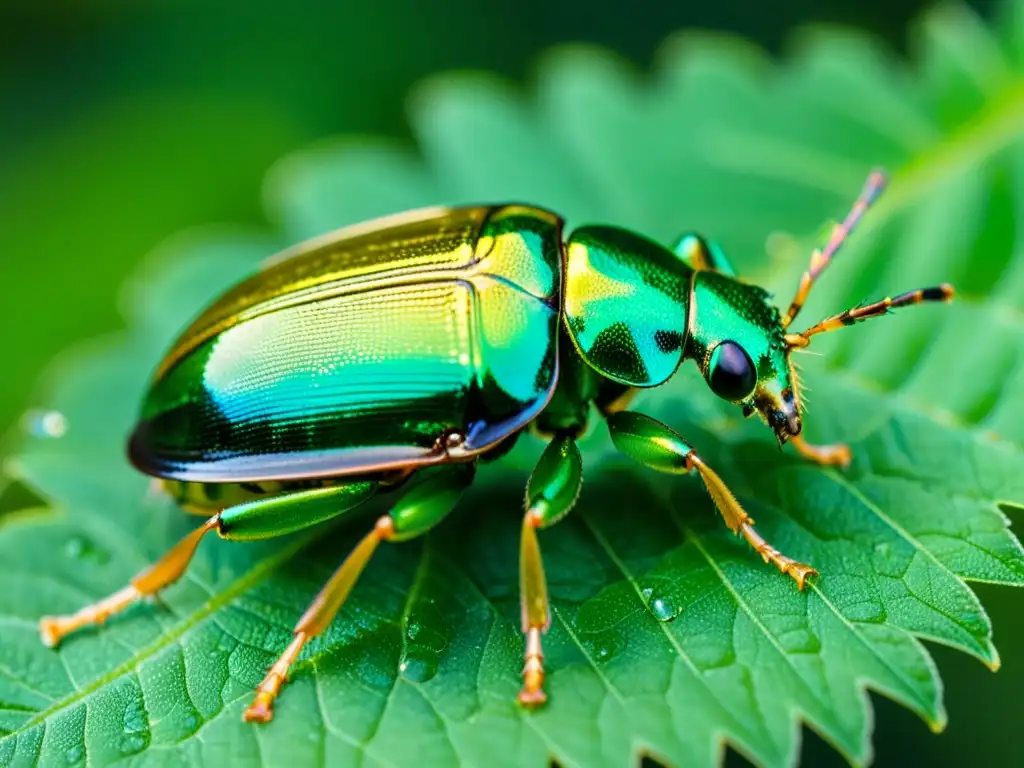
(399, 353)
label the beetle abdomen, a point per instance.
(209, 498)
(368, 370)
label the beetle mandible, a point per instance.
(399, 353)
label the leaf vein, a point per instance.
(247, 580)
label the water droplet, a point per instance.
(74, 754)
(604, 646)
(418, 667)
(131, 743)
(412, 630)
(135, 718)
(425, 641)
(136, 729)
(190, 722)
(48, 424)
(81, 548)
(663, 608)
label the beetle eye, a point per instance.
(731, 373)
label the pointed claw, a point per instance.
(50, 630)
(837, 455)
(532, 699)
(532, 695)
(800, 573)
(261, 710)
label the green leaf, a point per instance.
(670, 638)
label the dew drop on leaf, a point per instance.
(424, 644)
(604, 646)
(134, 718)
(75, 754)
(46, 424)
(663, 608)
(412, 630)
(82, 548)
(136, 729)
(131, 743)
(418, 667)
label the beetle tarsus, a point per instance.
(532, 694)
(163, 572)
(316, 618)
(740, 523)
(535, 609)
(799, 572)
(53, 629)
(835, 455)
(262, 708)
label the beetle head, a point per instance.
(740, 340)
(739, 343)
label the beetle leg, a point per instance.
(419, 510)
(615, 398)
(164, 571)
(698, 253)
(657, 446)
(551, 493)
(837, 455)
(317, 617)
(254, 520)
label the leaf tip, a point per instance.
(456, 88)
(584, 59)
(938, 724)
(988, 655)
(696, 48)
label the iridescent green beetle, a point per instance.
(401, 352)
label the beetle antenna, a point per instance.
(821, 257)
(942, 292)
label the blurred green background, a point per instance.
(123, 124)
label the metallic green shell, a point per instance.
(403, 342)
(626, 304)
